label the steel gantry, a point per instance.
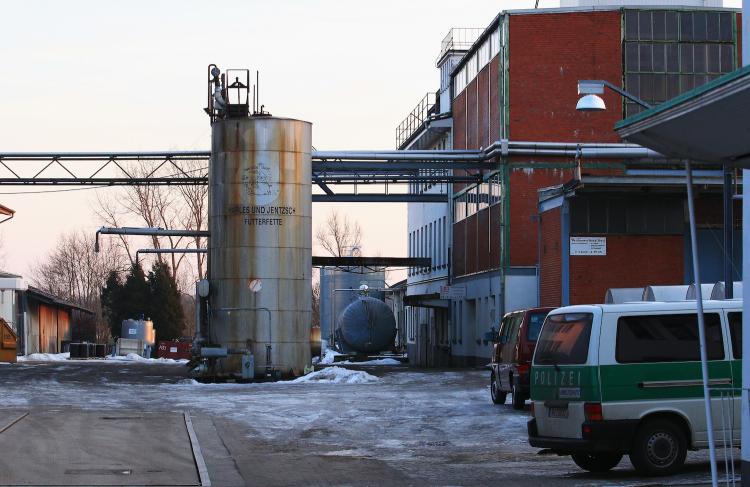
(349, 170)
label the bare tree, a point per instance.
(181, 207)
(339, 236)
(316, 303)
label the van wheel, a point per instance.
(516, 396)
(498, 396)
(659, 448)
(597, 462)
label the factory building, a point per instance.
(429, 127)
(553, 227)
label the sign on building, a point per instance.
(588, 245)
(452, 292)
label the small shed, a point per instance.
(48, 326)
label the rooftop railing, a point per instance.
(427, 106)
(459, 39)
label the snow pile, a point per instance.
(44, 357)
(134, 357)
(328, 357)
(337, 375)
(380, 361)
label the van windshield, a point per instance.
(564, 339)
(536, 320)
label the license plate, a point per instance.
(558, 412)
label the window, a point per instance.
(534, 326)
(445, 245)
(631, 216)
(669, 52)
(564, 339)
(735, 332)
(666, 338)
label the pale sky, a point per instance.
(95, 75)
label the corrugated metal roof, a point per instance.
(49, 298)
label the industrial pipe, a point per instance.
(148, 231)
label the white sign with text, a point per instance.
(588, 245)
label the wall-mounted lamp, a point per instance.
(592, 102)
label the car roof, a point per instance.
(733, 304)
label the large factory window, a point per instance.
(629, 216)
(669, 52)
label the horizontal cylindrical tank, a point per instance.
(340, 286)
(367, 325)
(260, 258)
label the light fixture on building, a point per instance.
(592, 102)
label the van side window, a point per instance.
(735, 332)
(515, 325)
(504, 328)
(666, 338)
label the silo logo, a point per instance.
(261, 182)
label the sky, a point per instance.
(130, 76)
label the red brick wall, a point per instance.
(459, 121)
(458, 255)
(494, 97)
(472, 123)
(472, 231)
(548, 54)
(483, 106)
(739, 40)
(524, 183)
(550, 268)
(631, 261)
(494, 236)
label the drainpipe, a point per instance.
(565, 252)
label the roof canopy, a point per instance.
(707, 124)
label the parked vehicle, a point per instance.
(511, 355)
(609, 380)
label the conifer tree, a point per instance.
(165, 306)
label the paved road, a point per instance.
(409, 428)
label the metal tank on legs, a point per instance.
(260, 260)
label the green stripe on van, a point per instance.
(670, 380)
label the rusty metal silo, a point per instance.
(260, 260)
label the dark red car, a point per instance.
(512, 353)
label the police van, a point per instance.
(615, 379)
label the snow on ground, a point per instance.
(44, 357)
(131, 357)
(380, 361)
(328, 356)
(337, 375)
(134, 357)
(432, 423)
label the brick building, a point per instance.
(511, 236)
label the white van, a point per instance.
(615, 379)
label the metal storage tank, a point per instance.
(260, 260)
(367, 325)
(334, 281)
(138, 330)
